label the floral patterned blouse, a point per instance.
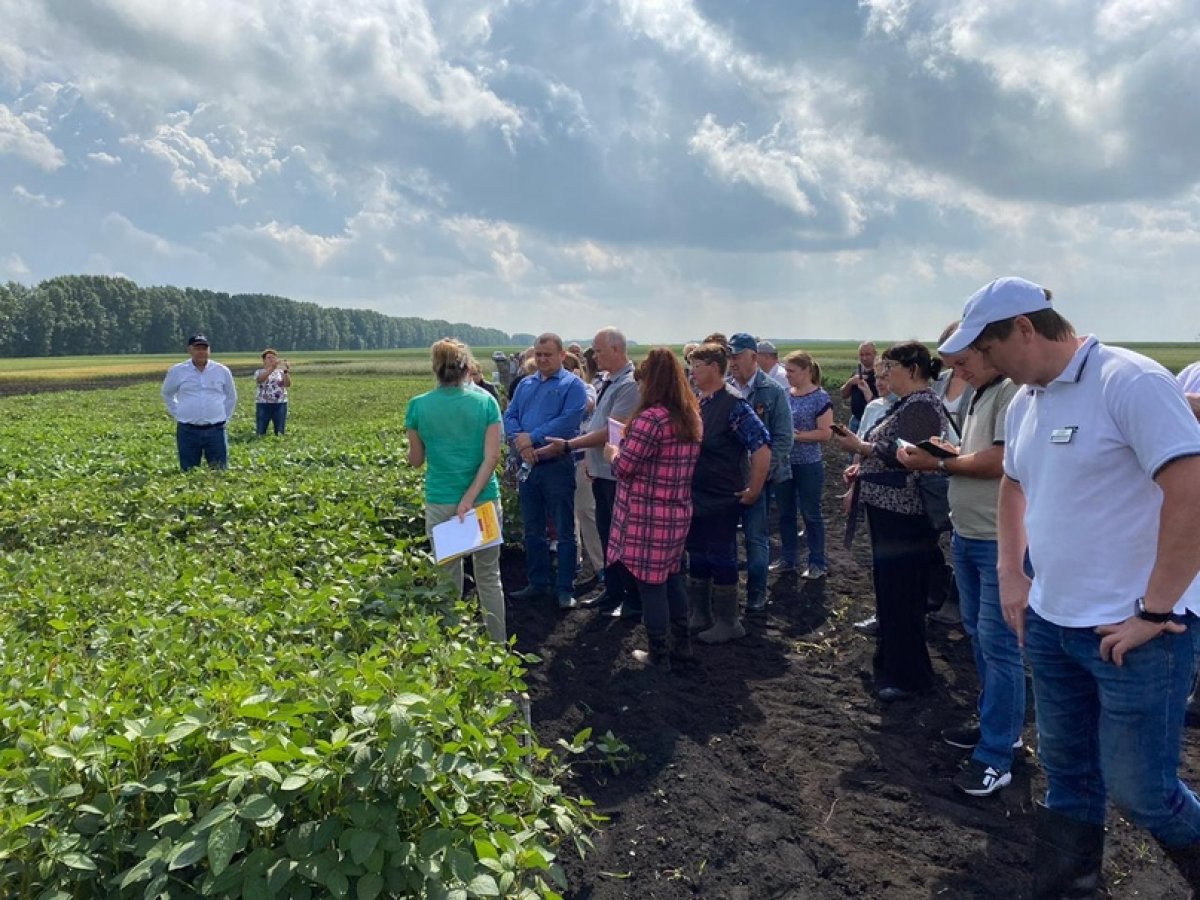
(885, 482)
(271, 390)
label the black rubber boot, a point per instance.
(699, 604)
(1187, 861)
(658, 656)
(1067, 857)
(727, 626)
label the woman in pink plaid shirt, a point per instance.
(653, 509)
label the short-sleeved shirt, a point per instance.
(617, 398)
(1085, 450)
(805, 412)
(452, 423)
(973, 500)
(1189, 379)
(270, 389)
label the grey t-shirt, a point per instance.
(618, 399)
(973, 500)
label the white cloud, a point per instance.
(761, 164)
(104, 159)
(32, 199)
(13, 267)
(20, 140)
(129, 239)
(499, 240)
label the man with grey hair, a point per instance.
(617, 399)
(768, 361)
(860, 388)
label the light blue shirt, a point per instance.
(197, 397)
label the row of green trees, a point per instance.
(84, 314)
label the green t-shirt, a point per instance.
(452, 421)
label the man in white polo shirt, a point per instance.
(1101, 489)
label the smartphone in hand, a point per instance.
(839, 429)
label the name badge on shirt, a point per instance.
(1063, 435)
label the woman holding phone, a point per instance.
(271, 398)
(902, 539)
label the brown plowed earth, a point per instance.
(765, 769)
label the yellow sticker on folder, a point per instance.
(479, 529)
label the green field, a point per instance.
(245, 684)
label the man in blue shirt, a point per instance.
(769, 402)
(200, 396)
(548, 404)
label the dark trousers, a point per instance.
(196, 442)
(620, 586)
(273, 414)
(663, 603)
(712, 547)
(901, 546)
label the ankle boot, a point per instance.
(659, 654)
(681, 641)
(727, 626)
(1067, 857)
(699, 604)
(1187, 861)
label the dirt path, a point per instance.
(767, 770)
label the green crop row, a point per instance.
(246, 684)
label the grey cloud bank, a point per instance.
(811, 169)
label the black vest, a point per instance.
(723, 468)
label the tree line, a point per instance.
(76, 315)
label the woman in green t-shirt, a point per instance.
(455, 429)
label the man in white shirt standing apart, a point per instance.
(1101, 489)
(200, 396)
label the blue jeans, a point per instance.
(1115, 729)
(758, 552)
(549, 493)
(274, 414)
(802, 492)
(997, 654)
(194, 442)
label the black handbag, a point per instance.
(934, 488)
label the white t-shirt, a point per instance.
(1189, 379)
(1085, 450)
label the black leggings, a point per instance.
(663, 603)
(901, 546)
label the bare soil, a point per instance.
(766, 768)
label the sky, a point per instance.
(817, 169)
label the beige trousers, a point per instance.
(487, 573)
(585, 519)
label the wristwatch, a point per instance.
(1139, 610)
(942, 465)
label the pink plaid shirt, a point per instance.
(653, 509)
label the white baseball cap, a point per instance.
(1004, 298)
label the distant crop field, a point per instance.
(836, 358)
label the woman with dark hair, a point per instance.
(456, 429)
(735, 459)
(653, 466)
(271, 399)
(902, 538)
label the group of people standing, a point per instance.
(201, 397)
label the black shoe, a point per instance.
(598, 598)
(530, 592)
(964, 738)
(566, 600)
(781, 566)
(892, 694)
(979, 780)
(756, 608)
(629, 612)
(869, 627)
(968, 737)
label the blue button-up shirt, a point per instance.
(197, 397)
(542, 407)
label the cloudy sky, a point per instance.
(800, 168)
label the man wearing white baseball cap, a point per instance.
(1101, 490)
